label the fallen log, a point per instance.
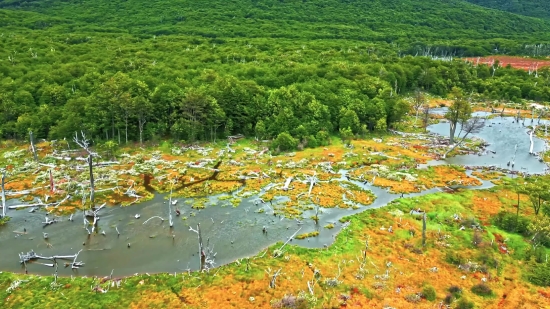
(287, 183)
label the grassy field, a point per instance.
(367, 266)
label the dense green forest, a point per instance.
(127, 70)
(535, 8)
(401, 26)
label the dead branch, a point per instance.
(31, 256)
(161, 218)
(279, 252)
(473, 125)
(41, 204)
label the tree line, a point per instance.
(261, 99)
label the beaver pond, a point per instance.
(233, 231)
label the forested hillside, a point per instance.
(535, 8)
(402, 24)
(131, 70)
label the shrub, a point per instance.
(455, 289)
(290, 301)
(413, 298)
(323, 138)
(511, 223)
(448, 299)
(311, 142)
(454, 259)
(4, 220)
(285, 141)
(482, 290)
(464, 304)
(429, 293)
(477, 239)
(486, 258)
(539, 274)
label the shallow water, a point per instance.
(234, 232)
(502, 134)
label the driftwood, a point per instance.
(40, 204)
(161, 218)
(279, 252)
(32, 256)
(312, 180)
(233, 138)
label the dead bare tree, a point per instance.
(3, 194)
(312, 180)
(316, 217)
(84, 143)
(333, 282)
(170, 205)
(542, 113)
(531, 139)
(424, 230)
(274, 275)
(472, 125)
(206, 254)
(425, 117)
(33, 148)
(418, 101)
(92, 213)
(202, 255)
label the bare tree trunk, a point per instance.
(52, 185)
(126, 122)
(33, 149)
(141, 125)
(517, 213)
(531, 139)
(455, 145)
(170, 207)
(452, 132)
(202, 254)
(426, 117)
(92, 185)
(112, 126)
(3, 195)
(118, 135)
(424, 230)
(316, 218)
(473, 125)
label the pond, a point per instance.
(502, 134)
(155, 247)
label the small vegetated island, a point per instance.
(274, 154)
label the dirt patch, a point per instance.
(516, 62)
